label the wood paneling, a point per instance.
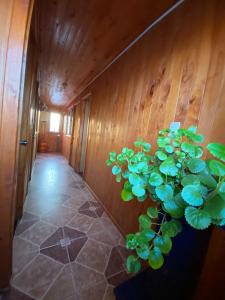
(176, 72)
(14, 15)
(66, 145)
(77, 136)
(28, 127)
(79, 38)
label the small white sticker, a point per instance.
(174, 126)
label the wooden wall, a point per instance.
(77, 136)
(175, 73)
(14, 25)
(66, 143)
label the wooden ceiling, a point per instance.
(78, 38)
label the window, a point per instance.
(54, 122)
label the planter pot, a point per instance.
(178, 277)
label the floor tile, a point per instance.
(59, 215)
(63, 287)
(27, 221)
(94, 255)
(39, 232)
(81, 222)
(91, 209)
(14, 294)
(109, 294)
(23, 253)
(104, 231)
(85, 277)
(66, 246)
(37, 277)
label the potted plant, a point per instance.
(182, 184)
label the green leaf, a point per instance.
(142, 199)
(197, 218)
(192, 195)
(138, 190)
(192, 128)
(141, 237)
(163, 141)
(171, 228)
(215, 207)
(207, 179)
(121, 159)
(133, 264)
(138, 144)
(169, 149)
(168, 167)
(118, 177)
(108, 162)
(146, 147)
(196, 165)
(126, 195)
(116, 170)
(134, 179)
(155, 179)
(216, 167)
(152, 212)
(173, 209)
(148, 233)
(217, 150)
(222, 188)
(155, 259)
(164, 243)
(131, 241)
(164, 192)
(144, 221)
(190, 179)
(161, 155)
(143, 252)
(188, 148)
(112, 156)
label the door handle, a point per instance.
(23, 142)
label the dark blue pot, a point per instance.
(178, 277)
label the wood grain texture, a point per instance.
(79, 38)
(66, 145)
(76, 144)
(13, 24)
(28, 123)
(175, 73)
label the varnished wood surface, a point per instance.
(176, 73)
(13, 23)
(77, 136)
(28, 127)
(79, 38)
(66, 144)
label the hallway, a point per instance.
(65, 246)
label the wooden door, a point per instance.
(27, 129)
(79, 138)
(14, 27)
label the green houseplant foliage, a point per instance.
(180, 184)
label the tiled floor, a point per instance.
(65, 247)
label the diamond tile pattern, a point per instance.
(65, 247)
